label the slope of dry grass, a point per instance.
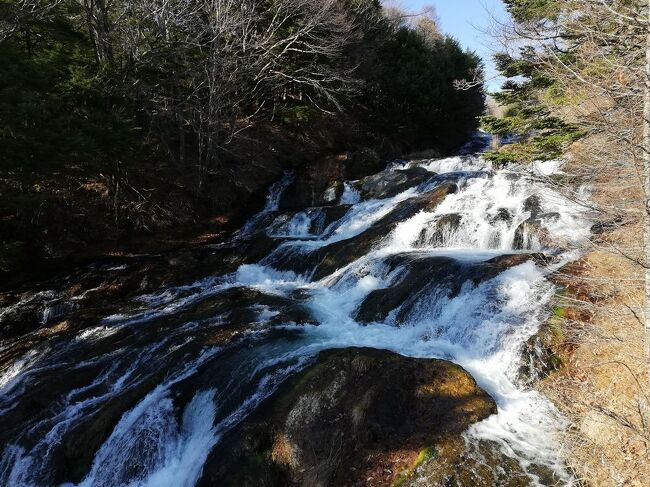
(604, 387)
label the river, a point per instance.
(417, 260)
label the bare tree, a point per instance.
(598, 54)
(223, 64)
(17, 17)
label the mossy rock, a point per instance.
(541, 354)
(352, 415)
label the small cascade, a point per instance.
(442, 258)
(271, 204)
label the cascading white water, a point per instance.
(482, 327)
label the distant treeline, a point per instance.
(79, 77)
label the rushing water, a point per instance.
(178, 385)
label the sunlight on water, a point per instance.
(482, 325)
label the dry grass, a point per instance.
(604, 388)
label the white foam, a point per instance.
(350, 195)
(97, 333)
(482, 327)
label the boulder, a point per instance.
(502, 215)
(532, 231)
(533, 205)
(391, 183)
(542, 353)
(441, 228)
(318, 183)
(362, 163)
(354, 417)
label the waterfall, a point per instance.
(183, 386)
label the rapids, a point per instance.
(139, 391)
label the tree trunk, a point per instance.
(646, 182)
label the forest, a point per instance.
(122, 118)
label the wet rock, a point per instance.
(430, 200)
(56, 310)
(353, 414)
(318, 183)
(330, 215)
(477, 464)
(222, 260)
(532, 232)
(315, 220)
(601, 227)
(22, 314)
(391, 183)
(540, 355)
(421, 275)
(502, 215)
(451, 220)
(533, 204)
(80, 445)
(238, 308)
(361, 163)
(442, 227)
(418, 271)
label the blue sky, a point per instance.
(466, 20)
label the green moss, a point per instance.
(298, 114)
(555, 362)
(426, 454)
(401, 479)
(559, 312)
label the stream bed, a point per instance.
(439, 258)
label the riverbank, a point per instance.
(603, 387)
(52, 221)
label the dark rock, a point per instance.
(502, 215)
(391, 183)
(601, 227)
(361, 163)
(540, 355)
(429, 201)
(239, 307)
(22, 316)
(423, 274)
(317, 183)
(444, 225)
(81, 444)
(56, 310)
(418, 272)
(531, 231)
(533, 204)
(330, 215)
(321, 217)
(345, 417)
